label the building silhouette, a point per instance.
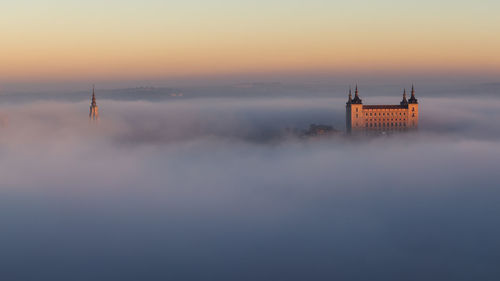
(381, 118)
(94, 109)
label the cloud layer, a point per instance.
(212, 189)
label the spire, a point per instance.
(349, 99)
(94, 110)
(356, 96)
(94, 103)
(404, 101)
(412, 98)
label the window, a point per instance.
(356, 109)
(356, 115)
(413, 115)
(370, 114)
(413, 109)
(366, 114)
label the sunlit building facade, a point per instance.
(381, 118)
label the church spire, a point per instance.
(94, 109)
(94, 103)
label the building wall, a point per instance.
(413, 115)
(354, 116)
(360, 118)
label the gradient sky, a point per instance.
(122, 39)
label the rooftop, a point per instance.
(385, 106)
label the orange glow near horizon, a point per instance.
(67, 45)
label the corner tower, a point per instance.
(413, 109)
(94, 109)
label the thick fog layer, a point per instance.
(219, 189)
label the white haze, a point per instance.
(215, 189)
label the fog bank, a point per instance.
(215, 189)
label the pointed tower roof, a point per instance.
(356, 99)
(404, 101)
(94, 102)
(349, 99)
(412, 98)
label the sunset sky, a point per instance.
(55, 40)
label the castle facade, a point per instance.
(381, 118)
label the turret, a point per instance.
(412, 110)
(354, 111)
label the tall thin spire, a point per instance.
(94, 109)
(94, 103)
(404, 101)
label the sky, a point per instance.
(55, 41)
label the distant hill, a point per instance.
(251, 90)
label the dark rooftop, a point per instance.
(384, 106)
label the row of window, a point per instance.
(383, 114)
(395, 124)
(412, 115)
(383, 119)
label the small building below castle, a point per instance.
(320, 130)
(381, 118)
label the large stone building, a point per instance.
(94, 109)
(381, 118)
